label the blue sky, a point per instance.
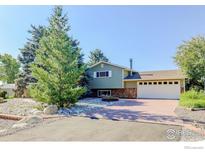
(148, 34)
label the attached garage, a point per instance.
(159, 89)
(168, 84)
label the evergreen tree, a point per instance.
(58, 64)
(27, 57)
(97, 56)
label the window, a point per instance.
(103, 74)
(102, 93)
(170, 82)
(155, 83)
(140, 83)
(145, 83)
(176, 82)
(159, 82)
(150, 83)
(165, 82)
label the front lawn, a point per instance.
(192, 99)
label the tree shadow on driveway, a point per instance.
(117, 114)
(121, 102)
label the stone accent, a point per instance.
(51, 109)
(121, 93)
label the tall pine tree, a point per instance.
(26, 57)
(58, 65)
(96, 56)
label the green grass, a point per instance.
(192, 99)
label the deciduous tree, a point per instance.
(9, 68)
(190, 57)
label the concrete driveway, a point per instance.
(152, 110)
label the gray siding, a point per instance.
(111, 82)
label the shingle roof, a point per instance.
(155, 75)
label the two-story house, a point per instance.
(115, 80)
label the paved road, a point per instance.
(85, 129)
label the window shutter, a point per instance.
(110, 73)
(94, 74)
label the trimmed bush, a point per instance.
(109, 98)
(192, 99)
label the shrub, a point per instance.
(109, 98)
(3, 94)
(39, 107)
(68, 98)
(192, 99)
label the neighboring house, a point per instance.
(115, 80)
(9, 88)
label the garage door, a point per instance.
(159, 89)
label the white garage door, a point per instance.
(159, 89)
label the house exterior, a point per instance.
(9, 88)
(110, 79)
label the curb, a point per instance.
(17, 117)
(11, 117)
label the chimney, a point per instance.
(130, 66)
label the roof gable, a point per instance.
(109, 64)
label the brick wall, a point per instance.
(122, 93)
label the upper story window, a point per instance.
(102, 74)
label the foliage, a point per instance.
(9, 68)
(56, 66)
(27, 57)
(96, 56)
(39, 107)
(3, 94)
(193, 99)
(190, 57)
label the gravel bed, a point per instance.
(18, 106)
(4, 124)
(196, 118)
(191, 115)
(88, 106)
(188, 135)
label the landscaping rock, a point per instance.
(51, 109)
(31, 120)
(38, 112)
(33, 110)
(2, 131)
(20, 126)
(97, 116)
